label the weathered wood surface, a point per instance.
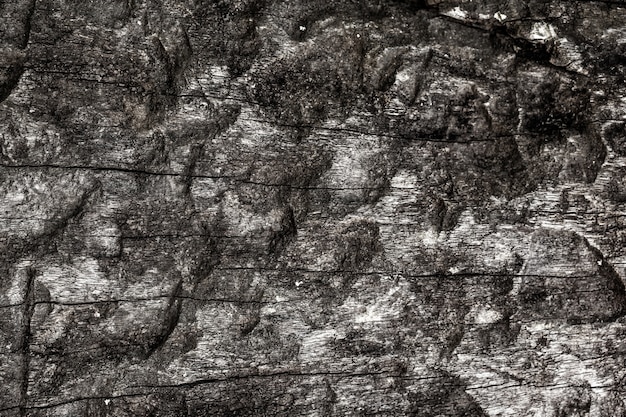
(373, 207)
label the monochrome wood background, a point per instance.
(312, 208)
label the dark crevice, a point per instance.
(341, 374)
(173, 313)
(28, 22)
(172, 317)
(12, 75)
(524, 49)
(151, 388)
(78, 399)
(27, 315)
(186, 175)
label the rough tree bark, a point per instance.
(304, 207)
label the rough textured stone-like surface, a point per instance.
(312, 208)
